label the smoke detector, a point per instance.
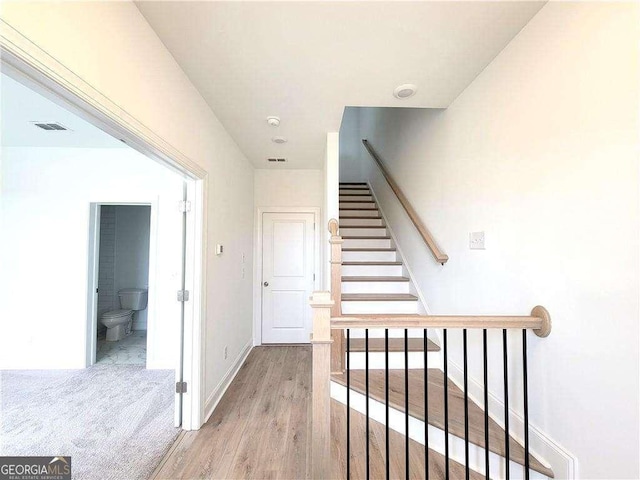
(279, 140)
(273, 121)
(405, 91)
(50, 126)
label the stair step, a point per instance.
(361, 218)
(366, 237)
(375, 279)
(390, 249)
(395, 345)
(365, 226)
(368, 231)
(358, 208)
(349, 213)
(436, 408)
(358, 184)
(355, 204)
(369, 255)
(377, 454)
(361, 222)
(378, 297)
(372, 263)
(361, 241)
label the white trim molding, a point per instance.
(218, 392)
(257, 266)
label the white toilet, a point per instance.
(119, 322)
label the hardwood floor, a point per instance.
(261, 427)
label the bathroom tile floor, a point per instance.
(131, 350)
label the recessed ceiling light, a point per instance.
(405, 91)
(273, 121)
(279, 140)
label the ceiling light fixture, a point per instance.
(405, 91)
(279, 140)
(273, 121)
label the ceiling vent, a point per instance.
(273, 159)
(50, 126)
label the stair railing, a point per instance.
(438, 254)
(325, 326)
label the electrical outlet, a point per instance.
(225, 352)
(476, 240)
(244, 258)
(243, 271)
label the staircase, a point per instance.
(375, 282)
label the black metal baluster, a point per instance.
(486, 406)
(446, 408)
(426, 407)
(366, 380)
(466, 405)
(348, 410)
(526, 404)
(506, 402)
(406, 403)
(386, 395)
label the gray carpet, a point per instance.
(116, 422)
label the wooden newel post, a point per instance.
(321, 384)
(339, 348)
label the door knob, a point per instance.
(266, 284)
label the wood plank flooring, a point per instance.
(260, 430)
(260, 427)
(436, 407)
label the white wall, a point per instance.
(133, 224)
(289, 188)
(44, 248)
(541, 153)
(331, 173)
(136, 72)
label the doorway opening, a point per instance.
(187, 213)
(119, 314)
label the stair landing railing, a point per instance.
(329, 351)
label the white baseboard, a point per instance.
(545, 449)
(215, 396)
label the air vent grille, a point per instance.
(50, 126)
(273, 159)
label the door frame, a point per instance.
(257, 255)
(94, 262)
(27, 63)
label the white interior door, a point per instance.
(287, 276)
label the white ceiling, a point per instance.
(305, 61)
(20, 107)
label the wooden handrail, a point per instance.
(539, 321)
(413, 215)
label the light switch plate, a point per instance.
(476, 240)
(219, 249)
